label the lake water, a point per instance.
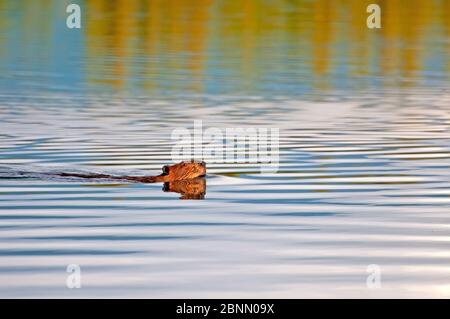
(364, 119)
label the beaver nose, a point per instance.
(203, 164)
(165, 169)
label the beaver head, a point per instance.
(184, 170)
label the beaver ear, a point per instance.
(165, 169)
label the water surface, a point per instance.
(364, 174)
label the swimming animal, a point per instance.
(182, 171)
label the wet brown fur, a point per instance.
(172, 173)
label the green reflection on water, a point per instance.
(250, 47)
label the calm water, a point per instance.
(364, 177)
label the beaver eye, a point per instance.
(165, 169)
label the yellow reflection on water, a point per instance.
(249, 45)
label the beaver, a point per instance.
(182, 171)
